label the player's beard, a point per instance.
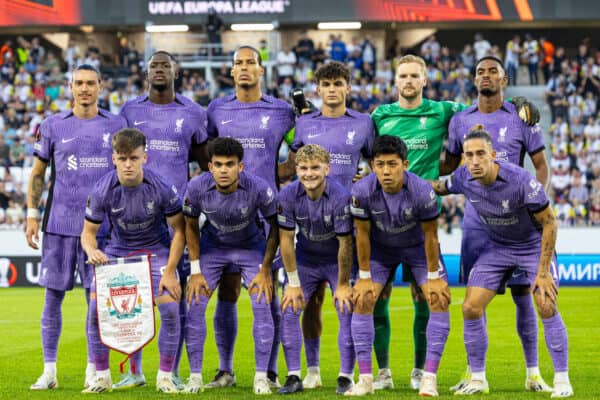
(409, 97)
(160, 87)
(248, 86)
(226, 188)
(487, 92)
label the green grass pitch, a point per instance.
(21, 357)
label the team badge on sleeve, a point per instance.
(88, 209)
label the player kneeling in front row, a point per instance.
(517, 216)
(320, 206)
(137, 202)
(395, 214)
(231, 237)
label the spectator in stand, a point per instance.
(17, 153)
(22, 52)
(511, 61)
(594, 213)
(368, 54)
(122, 56)
(547, 55)
(286, 64)
(338, 50)
(37, 51)
(71, 55)
(531, 55)
(305, 49)
(116, 100)
(467, 58)
(431, 48)
(560, 104)
(563, 212)
(214, 27)
(263, 49)
(481, 46)
(4, 153)
(6, 51)
(224, 80)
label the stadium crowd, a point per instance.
(34, 84)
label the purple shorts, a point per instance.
(312, 274)
(62, 258)
(157, 265)
(385, 261)
(498, 266)
(215, 261)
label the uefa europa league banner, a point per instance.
(125, 303)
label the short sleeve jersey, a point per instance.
(79, 152)
(423, 129)
(170, 131)
(345, 138)
(260, 127)
(231, 218)
(137, 214)
(395, 218)
(504, 208)
(319, 222)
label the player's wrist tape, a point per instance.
(33, 213)
(195, 267)
(293, 279)
(364, 274)
(433, 275)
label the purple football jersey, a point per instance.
(231, 219)
(345, 138)
(137, 215)
(511, 137)
(170, 131)
(395, 218)
(79, 152)
(505, 207)
(319, 221)
(260, 127)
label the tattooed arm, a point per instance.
(439, 187)
(544, 281)
(34, 195)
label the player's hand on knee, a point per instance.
(293, 297)
(545, 288)
(364, 294)
(196, 287)
(170, 283)
(96, 257)
(437, 293)
(342, 298)
(262, 284)
(32, 233)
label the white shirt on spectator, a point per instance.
(481, 48)
(285, 63)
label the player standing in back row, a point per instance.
(175, 128)
(76, 144)
(260, 123)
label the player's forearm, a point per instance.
(88, 239)
(192, 237)
(541, 172)
(549, 231)
(449, 163)
(432, 249)
(176, 250)
(286, 169)
(344, 259)
(288, 254)
(272, 243)
(36, 185)
(439, 187)
(363, 248)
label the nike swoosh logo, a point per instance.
(301, 218)
(116, 210)
(474, 201)
(313, 136)
(226, 122)
(209, 212)
(377, 212)
(68, 140)
(136, 123)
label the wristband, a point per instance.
(293, 279)
(33, 213)
(195, 267)
(364, 274)
(433, 275)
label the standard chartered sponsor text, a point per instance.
(417, 144)
(163, 145)
(252, 143)
(93, 162)
(341, 158)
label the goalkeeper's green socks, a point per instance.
(381, 318)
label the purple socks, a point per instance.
(476, 343)
(438, 328)
(262, 331)
(363, 333)
(195, 334)
(226, 327)
(527, 328)
(168, 336)
(51, 324)
(557, 342)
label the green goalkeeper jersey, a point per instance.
(423, 129)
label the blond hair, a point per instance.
(312, 152)
(409, 58)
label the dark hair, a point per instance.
(387, 144)
(225, 146)
(478, 132)
(332, 70)
(163, 52)
(493, 58)
(254, 50)
(87, 67)
(127, 140)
